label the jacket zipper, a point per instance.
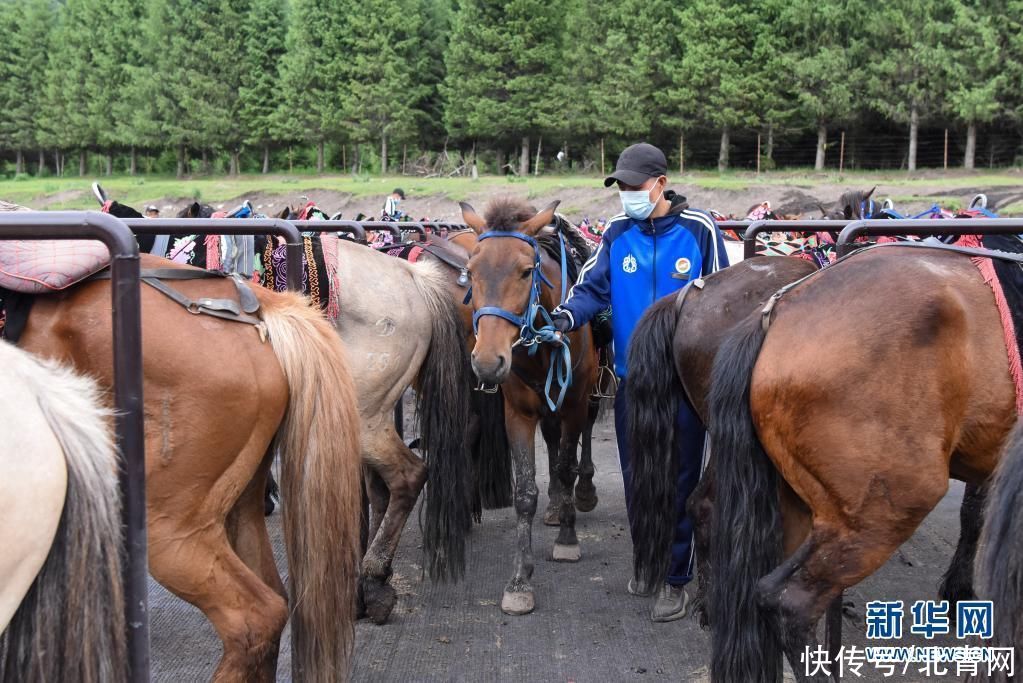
(653, 269)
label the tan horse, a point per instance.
(60, 573)
(216, 398)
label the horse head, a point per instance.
(505, 279)
(196, 210)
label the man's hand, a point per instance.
(562, 323)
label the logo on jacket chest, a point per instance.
(629, 263)
(683, 266)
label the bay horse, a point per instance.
(510, 273)
(826, 507)
(208, 451)
(61, 599)
(492, 468)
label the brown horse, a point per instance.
(680, 337)
(217, 398)
(941, 402)
(492, 470)
(504, 276)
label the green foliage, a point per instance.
(499, 68)
(177, 77)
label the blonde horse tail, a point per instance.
(70, 625)
(321, 474)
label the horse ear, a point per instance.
(471, 218)
(540, 220)
(867, 196)
(195, 210)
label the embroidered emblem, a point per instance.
(629, 264)
(683, 266)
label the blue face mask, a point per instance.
(637, 203)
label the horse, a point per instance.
(512, 274)
(399, 325)
(492, 470)
(738, 559)
(60, 577)
(280, 384)
(999, 558)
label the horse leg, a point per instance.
(566, 547)
(378, 495)
(518, 594)
(247, 533)
(550, 427)
(404, 476)
(809, 580)
(585, 491)
(957, 583)
(700, 507)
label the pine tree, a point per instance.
(23, 65)
(499, 82)
(382, 91)
(66, 119)
(312, 69)
(906, 82)
(259, 93)
(714, 82)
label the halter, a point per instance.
(531, 336)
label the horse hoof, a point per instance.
(517, 603)
(566, 553)
(585, 502)
(379, 600)
(552, 516)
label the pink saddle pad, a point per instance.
(40, 266)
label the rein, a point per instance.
(530, 335)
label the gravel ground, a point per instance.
(585, 628)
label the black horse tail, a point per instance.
(746, 527)
(999, 567)
(491, 452)
(442, 412)
(654, 396)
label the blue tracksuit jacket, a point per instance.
(638, 262)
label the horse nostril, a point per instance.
(500, 363)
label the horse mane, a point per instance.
(509, 213)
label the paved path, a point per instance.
(585, 627)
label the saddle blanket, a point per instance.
(319, 271)
(1006, 281)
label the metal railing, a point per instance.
(128, 421)
(925, 227)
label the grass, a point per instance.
(73, 192)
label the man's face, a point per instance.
(655, 186)
(152, 213)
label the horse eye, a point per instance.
(527, 273)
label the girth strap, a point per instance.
(929, 243)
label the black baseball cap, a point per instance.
(637, 164)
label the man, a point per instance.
(152, 212)
(391, 211)
(655, 248)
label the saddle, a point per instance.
(42, 266)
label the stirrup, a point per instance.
(605, 377)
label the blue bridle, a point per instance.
(530, 335)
